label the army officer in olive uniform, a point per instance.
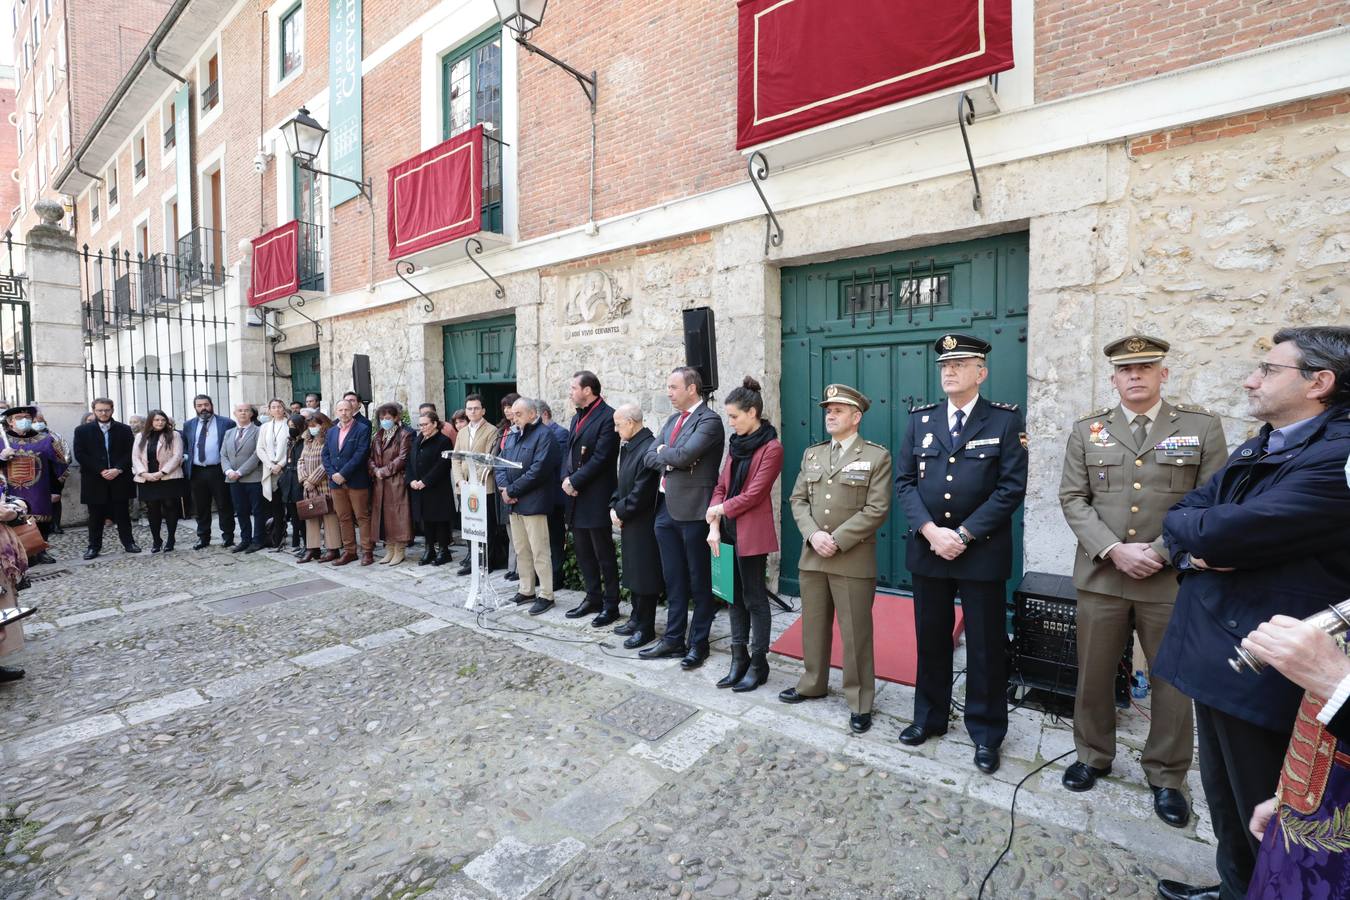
(842, 496)
(1125, 466)
(962, 474)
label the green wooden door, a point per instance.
(871, 323)
(305, 373)
(480, 357)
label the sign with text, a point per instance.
(473, 513)
(344, 97)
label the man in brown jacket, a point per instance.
(1125, 466)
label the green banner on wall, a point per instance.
(344, 97)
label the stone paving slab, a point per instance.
(512, 870)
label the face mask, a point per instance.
(22, 424)
(39, 426)
(387, 424)
(314, 430)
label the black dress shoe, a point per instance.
(664, 650)
(541, 606)
(237, 548)
(521, 599)
(986, 759)
(91, 553)
(133, 547)
(1176, 890)
(227, 543)
(791, 696)
(512, 576)
(429, 557)
(639, 638)
(582, 609)
(1082, 777)
(10, 673)
(697, 655)
(606, 617)
(201, 545)
(42, 559)
(253, 548)
(464, 569)
(916, 734)
(629, 627)
(443, 558)
(156, 547)
(1171, 806)
(859, 722)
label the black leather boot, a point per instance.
(644, 613)
(443, 557)
(757, 674)
(740, 663)
(430, 556)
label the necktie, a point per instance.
(678, 425)
(1140, 430)
(834, 455)
(960, 420)
(107, 450)
(1275, 442)
(239, 439)
(201, 441)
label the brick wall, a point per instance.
(1085, 46)
(666, 118)
(9, 152)
(104, 40)
(1299, 111)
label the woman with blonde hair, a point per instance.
(157, 469)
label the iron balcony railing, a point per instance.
(170, 137)
(210, 95)
(199, 265)
(140, 169)
(159, 281)
(310, 263)
(112, 195)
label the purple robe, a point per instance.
(1306, 850)
(30, 471)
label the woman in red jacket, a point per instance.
(741, 515)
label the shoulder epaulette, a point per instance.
(997, 404)
(1095, 414)
(818, 444)
(925, 406)
(878, 446)
(1187, 408)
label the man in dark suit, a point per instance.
(345, 451)
(962, 473)
(633, 512)
(103, 450)
(687, 457)
(589, 477)
(1264, 536)
(202, 438)
(557, 528)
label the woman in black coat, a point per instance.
(428, 474)
(633, 510)
(288, 484)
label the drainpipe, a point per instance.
(86, 174)
(154, 61)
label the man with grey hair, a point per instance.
(529, 493)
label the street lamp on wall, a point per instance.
(304, 137)
(521, 17)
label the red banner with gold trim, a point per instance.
(803, 63)
(276, 264)
(437, 195)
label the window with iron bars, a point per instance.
(868, 294)
(471, 88)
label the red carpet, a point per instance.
(892, 639)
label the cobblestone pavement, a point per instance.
(208, 724)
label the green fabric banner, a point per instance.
(344, 97)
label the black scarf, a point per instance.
(742, 448)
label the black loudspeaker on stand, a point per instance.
(361, 377)
(700, 345)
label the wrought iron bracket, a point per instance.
(366, 188)
(473, 246)
(773, 232)
(271, 330)
(294, 302)
(587, 82)
(965, 115)
(429, 306)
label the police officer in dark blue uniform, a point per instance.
(962, 474)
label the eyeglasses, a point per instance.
(1265, 368)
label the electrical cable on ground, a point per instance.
(1012, 819)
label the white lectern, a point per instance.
(473, 522)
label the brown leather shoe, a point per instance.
(368, 558)
(329, 556)
(345, 558)
(310, 556)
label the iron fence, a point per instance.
(16, 334)
(156, 328)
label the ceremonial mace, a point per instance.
(1333, 620)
